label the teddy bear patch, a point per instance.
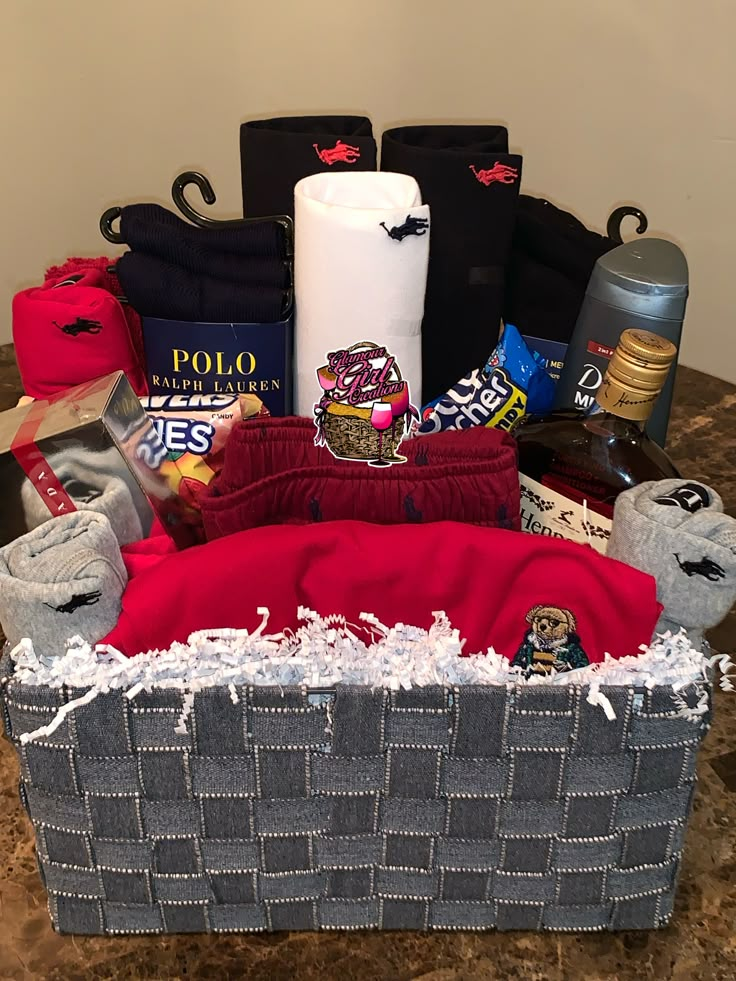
(550, 643)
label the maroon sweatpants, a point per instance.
(274, 474)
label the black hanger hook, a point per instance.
(206, 190)
(208, 195)
(613, 228)
(106, 220)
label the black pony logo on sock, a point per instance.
(706, 568)
(80, 326)
(412, 226)
(83, 599)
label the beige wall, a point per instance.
(609, 100)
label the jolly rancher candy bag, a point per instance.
(194, 429)
(512, 383)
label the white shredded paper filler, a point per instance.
(327, 650)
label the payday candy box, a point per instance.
(221, 359)
(56, 451)
(473, 808)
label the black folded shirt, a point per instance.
(471, 183)
(276, 153)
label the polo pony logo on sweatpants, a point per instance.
(80, 326)
(340, 152)
(412, 226)
(498, 173)
(83, 599)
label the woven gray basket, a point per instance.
(472, 808)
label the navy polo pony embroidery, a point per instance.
(412, 226)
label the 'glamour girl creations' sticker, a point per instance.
(365, 410)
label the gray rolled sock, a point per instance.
(93, 483)
(677, 532)
(64, 578)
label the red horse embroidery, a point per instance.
(340, 151)
(498, 172)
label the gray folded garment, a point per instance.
(93, 482)
(62, 579)
(676, 531)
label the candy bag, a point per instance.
(512, 383)
(194, 429)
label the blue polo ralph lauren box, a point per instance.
(199, 358)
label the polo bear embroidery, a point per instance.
(551, 642)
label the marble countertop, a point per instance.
(699, 945)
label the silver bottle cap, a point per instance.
(648, 276)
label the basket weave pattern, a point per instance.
(475, 808)
(352, 437)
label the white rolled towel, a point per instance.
(360, 271)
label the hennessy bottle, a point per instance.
(573, 465)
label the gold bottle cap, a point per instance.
(636, 374)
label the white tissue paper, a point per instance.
(325, 651)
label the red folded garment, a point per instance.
(144, 554)
(93, 272)
(498, 587)
(274, 474)
(71, 334)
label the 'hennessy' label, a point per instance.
(547, 512)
